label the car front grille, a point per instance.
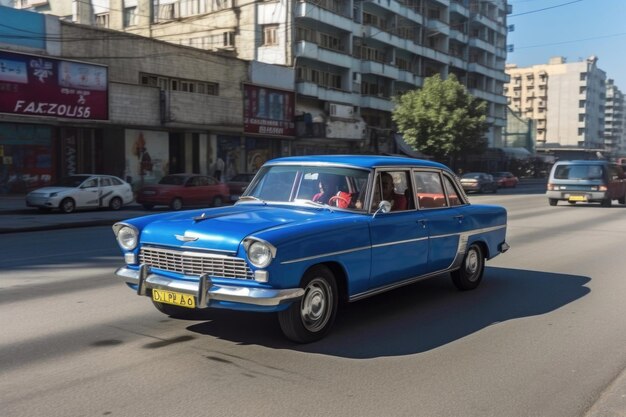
(195, 263)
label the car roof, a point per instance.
(359, 161)
(584, 161)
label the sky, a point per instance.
(574, 29)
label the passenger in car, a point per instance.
(327, 189)
(398, 201)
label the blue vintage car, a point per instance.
(310, 232)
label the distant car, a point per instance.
(390, 222)
(184, 190)
(82, 191)
(505, 179)
(586, 181)
(479, 182)
(238, 184)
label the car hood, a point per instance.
(52, 189)
(223, 229)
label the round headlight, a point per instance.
(127, 237)
(259, 254)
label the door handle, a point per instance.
(422, 223)
(459, 217)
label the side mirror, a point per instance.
(383, 207)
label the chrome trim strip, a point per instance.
(341, 252)
(205, 291)
(397, 242)
(395, 285)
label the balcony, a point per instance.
(378, 103)
(378, 68)
(481, 44)
(312, 51)
(313, 12)
(327, 94)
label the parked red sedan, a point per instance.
(180, 190)
(505, 179)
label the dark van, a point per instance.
(586, 182)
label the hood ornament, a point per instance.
(200, 217)
(184, 238)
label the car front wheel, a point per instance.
(176, 204)
(67, 205)
(470, 274)
(312, 317)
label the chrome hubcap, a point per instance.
(315, 305)
(472, 263)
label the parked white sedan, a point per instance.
(82, 191)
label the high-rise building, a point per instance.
(350, 57)
(615, 120)
(567, 99)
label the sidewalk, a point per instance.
(16, 217)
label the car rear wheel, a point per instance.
(115, 203)
(182, 312)
(312, 317)
(176, 204)
(67, 205)
(553, 201)
(470, 274)
(606, 202)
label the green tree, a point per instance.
(442, 119)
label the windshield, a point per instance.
(302, 184)
(173, 180)
(578, 172)
(72, 181)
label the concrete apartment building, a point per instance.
(567, 99)
(615, 120)
(81, 99)
(350, 57)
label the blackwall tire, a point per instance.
(312, 317)
(471, 272)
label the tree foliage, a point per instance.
(442, 119)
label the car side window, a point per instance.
(91, 183)
(454, 198)
(430, 192)
(202, 181)
(393, 186)
(105, 182)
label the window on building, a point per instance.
(130, 16)
(581, 117)
(582, 89)
(102, 20)
(270, 35)
(581, 131)
(168, 11)
(583, 76)
(581, 104)
(228, 39)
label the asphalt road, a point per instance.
(543, 336)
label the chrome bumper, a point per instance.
(205, 290)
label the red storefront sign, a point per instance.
(268, 111)
(41, 86)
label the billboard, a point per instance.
(41, 86)
(268, 111)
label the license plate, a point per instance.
(174, 298)
(577, 198)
